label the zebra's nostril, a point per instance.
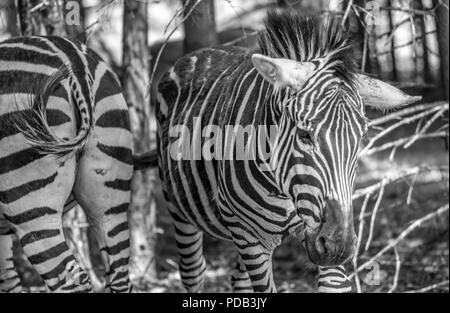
(321, 245)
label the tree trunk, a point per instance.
(135, 80)
(282, 4)
(10, 10)
(428, 78)
(200, 26)
(25, 23)
(360, 35)
(443, 37)
(391, 28)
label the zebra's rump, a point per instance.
(64, 130)
(27, 64)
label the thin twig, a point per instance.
(166, 41)
(397, 176)
(429, 288)
(409, 11)
(406, 44)
(359, 241)
(400, 142)
(399, 114)
(347, 12)
(374, 215)
(415, 37)
(398, 264)
(411, 188)
(234, 41)
(426, 127)
(392, 127)
(364, 56)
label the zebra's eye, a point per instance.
(304, 136)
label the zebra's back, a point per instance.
(189, 95)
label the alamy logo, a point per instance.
(373, 277)
(73, 13)
(228, 142)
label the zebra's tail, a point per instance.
(145, 161)
(34, 125)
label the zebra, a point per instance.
(303, 80)
(64, 132)
(9, 277)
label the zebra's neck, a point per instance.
(251, 107)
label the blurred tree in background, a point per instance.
(200, 25)
(135, 79)
(442, 34)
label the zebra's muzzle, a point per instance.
(334, 243)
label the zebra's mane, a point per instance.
(291, 36)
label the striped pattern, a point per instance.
(9, 277)
(64, 130)
(306, 192)
(333, 280)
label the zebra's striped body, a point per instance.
(9, 277)
(64, 129)
(305, 85)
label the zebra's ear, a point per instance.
(283, 72)
(382, 96)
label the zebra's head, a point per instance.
(318, 101)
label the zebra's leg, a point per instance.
(333, 280)
(240, 281)
(257, 260)
(113, 239)
(191, 264)
(34, 208)
(102, 189)
(9, 278)
(107, 214)
(258, 263)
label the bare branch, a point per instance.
(416, 38)
(429, 288)
(374, 214)
(397, 176)
(399, 114)
(166, 41)
(398, 264)
(426, 127)
(347, 12)
(404, 121)
(359, 241)
(413, 226)
(400, 142)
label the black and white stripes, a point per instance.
(64, 129)
(303, 86)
